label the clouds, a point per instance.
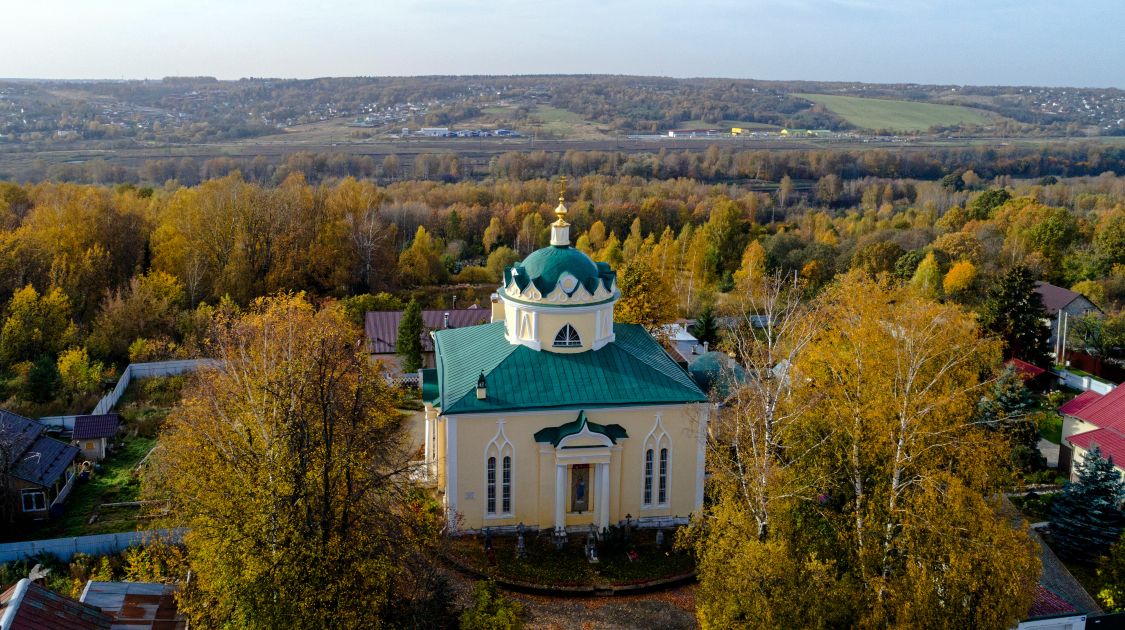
(925, 41)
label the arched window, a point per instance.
(648, 477)
(491, 485)
(658, 455)
(498, 483)
(662, 494)
(506, 485)
(567, 338)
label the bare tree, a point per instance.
(773, 327)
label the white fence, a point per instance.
(65, 548)
(1084, 383)
(132, 371)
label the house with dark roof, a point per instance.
(1062, 305)
(39, 469)
(553, 415)
(92, 434)
(1092, 418)
(27, 605)
(381, 330)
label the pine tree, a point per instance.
(1087, 518)
(1014, 311)
(706, 327)
(409, 342)
(1007, 408)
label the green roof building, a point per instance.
(555, 416)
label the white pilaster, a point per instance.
(560, 496)
(603, 495)
(451, 470)
(701, 455)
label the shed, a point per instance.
(92, 434)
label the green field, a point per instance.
(875, 113)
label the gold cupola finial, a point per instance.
(560, 229)
(560, 210)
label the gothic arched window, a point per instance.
(567, 338)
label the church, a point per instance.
(555, 416)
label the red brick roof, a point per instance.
(1076, 404)
(93, 427)
(1047, 604)
(1103, 411)
(1026, 370)
(28, 605)
(1111, 442)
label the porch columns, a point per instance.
(603, 496)
(560, 496)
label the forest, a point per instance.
(94, 276)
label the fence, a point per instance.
(65, 548)
(132, 371)
(1084, 382)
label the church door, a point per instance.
(580, 488)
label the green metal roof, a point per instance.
(634, 370)
(554, 435)
(545, 266)
(716, 371)
(429, 385)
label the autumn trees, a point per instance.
(884, 491)
(287, 463)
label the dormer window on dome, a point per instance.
(567, 338)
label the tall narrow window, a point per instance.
(648, 477)
(506, 489)
(491, 485)
(662, 494)
(567, 338)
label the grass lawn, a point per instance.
(1050, 428)
(875, 113)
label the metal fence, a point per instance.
(131, 372)
(101, 544)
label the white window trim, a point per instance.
(28, 492)
(657, 439)
(500, 447)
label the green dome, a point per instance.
(715, 370)
(545, 267)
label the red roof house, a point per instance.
(1092, 418)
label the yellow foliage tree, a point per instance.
(287, 463)
(959, 278)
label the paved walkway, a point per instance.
(1050, 450)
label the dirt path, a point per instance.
(672, 609)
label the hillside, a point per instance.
(900, 116)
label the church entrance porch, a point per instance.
(582, 492)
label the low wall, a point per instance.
(100, 544)
(131, 372)
(1084, 383)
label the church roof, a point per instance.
(544, 267)
(633, 370)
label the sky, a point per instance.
(961, 42)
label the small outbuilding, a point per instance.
(92, 434)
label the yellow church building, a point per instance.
(557, 417)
